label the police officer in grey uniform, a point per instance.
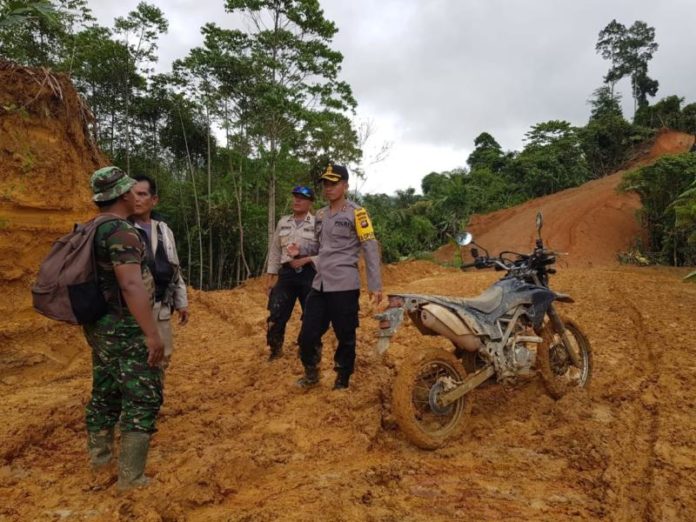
(289, 278)
(343, 229)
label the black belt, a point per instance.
(299, 270)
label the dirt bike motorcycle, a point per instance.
(510, 332)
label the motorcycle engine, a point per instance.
(522, 358)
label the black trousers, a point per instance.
(290, 287)
(340, 309)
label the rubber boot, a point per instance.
(310, 378)
(100, 445)
(132, 459)
(342, 379)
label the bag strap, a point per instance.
(100, 220)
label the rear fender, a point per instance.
(389, 322)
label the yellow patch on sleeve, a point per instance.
(363, 225)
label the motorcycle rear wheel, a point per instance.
(556, 368)
(424, 426)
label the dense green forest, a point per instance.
(248, 114)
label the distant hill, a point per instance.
(592, 223)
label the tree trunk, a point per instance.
(210, 208)
(188, 233)
(127, 85)
(113, 124)
(220, 266)
(127, 130)
(195, 201)
(237, 187)
(239, 195)
(271, 196)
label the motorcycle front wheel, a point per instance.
(419, 380)
(555, 366)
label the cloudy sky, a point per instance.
(431, 75)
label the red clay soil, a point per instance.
(46, 158)
(238, 442)
(591, 223)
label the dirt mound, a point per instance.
(666, 142)
(46, 157)
(591, 223)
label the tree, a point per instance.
(487, 154)
(665, 113)
(606, 143)
(402, 224)
(196, 73)
(139, 33)
(689, 118)
(667, 190)
(605, 103)
(434, 184)
(295, 72)
(99, 67)
(369, 152)
(552, 160)
(607, 138)
(40, 33)
(15, 14)
(609, 45)
(629, 51)
(684, 207)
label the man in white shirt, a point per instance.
(163, 261)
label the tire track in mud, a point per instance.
(650, 427)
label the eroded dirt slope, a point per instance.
(238, 442)
(46, 158)
(591, 223)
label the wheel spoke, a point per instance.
(429, 375)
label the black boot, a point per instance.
(341, 382)
(310, 378)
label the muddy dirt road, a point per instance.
(238, 442)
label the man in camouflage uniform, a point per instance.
(343, 229)
(126, 346)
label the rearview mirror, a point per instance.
(463, 238)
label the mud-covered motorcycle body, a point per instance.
(511, 331)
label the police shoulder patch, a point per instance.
(363, 225)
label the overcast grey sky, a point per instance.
(431, 75)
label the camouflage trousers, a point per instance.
(124, 388)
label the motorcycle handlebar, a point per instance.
(467, 265)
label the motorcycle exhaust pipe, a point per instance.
(450, 326)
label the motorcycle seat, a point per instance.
(488, 301)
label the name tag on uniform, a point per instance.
(363, 225)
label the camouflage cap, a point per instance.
(109, 183)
